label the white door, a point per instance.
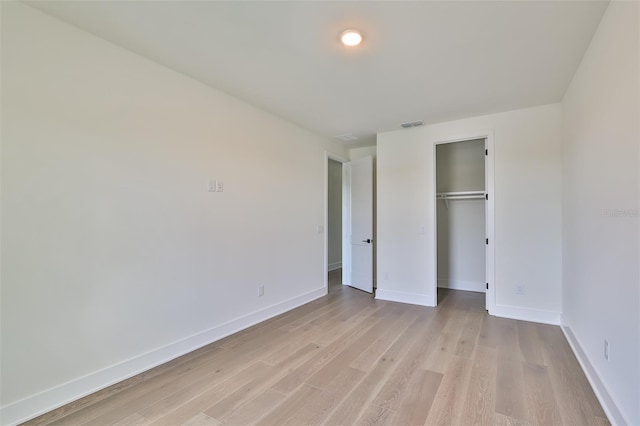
(361, 224)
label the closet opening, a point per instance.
(462, 216)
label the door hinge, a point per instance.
(487, 286)
(487, 241)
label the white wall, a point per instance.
(114, 255)
(365, 151)
(601, 289)
(461, 223)
(527, 210)
(334, 220)
(461, 245)
(460, 166)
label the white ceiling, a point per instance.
(431, 60)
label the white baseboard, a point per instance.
(526, 314)
(607, 402)
(402, 297)
(477, 286)
(335, 265)
(50, 399)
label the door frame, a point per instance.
(489, 216)
(328, 156)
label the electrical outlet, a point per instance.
(219, 186)
(260, 290)
(520, 289)
(606, 349)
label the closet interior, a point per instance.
(460, 212)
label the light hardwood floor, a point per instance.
(348, 359)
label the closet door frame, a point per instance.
(487, 135)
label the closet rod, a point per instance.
(461, 195)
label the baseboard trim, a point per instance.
(50, 399)
(477, 286)
(609, 405)
(402, 297)
(334, 266)
(526, 314)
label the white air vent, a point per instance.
(412, 124)
(347, 137)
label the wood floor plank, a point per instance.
(241, 395)
(260, 383)
(576, 400)
(330, 311)
(373, 416)
(330, 370)
(201, 420)
(254, 409)
(356, 402)
(541, 402)
(348, 359)
(89, 403)
(502, 420)
(510, 396)
(530, 344)
(417, 401)
(509, 339)
(290, 406)
(324, 356)
(394, 388)
(317, 409)
(479, 405)
(450, 398)
(489, 331)
(132, 420)
(466, 343)
(296, 340)
(446, 342)
(129, 399)
(367, 359)
(179, 407)
(187, 385)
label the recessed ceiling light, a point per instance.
(351, 38)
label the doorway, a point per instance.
(334, 223)
(350, 223)
(463, 211)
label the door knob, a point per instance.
(368, 241)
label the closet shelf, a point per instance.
(459, 195)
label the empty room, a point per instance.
(320, 212)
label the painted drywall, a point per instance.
(334, 213)
(461, 223)
(355, 153)
(601, 289)
(460, 166)
(115, 256)
(461, 245)
(527, 209)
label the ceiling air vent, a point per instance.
(412, 124)
(347, 137)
